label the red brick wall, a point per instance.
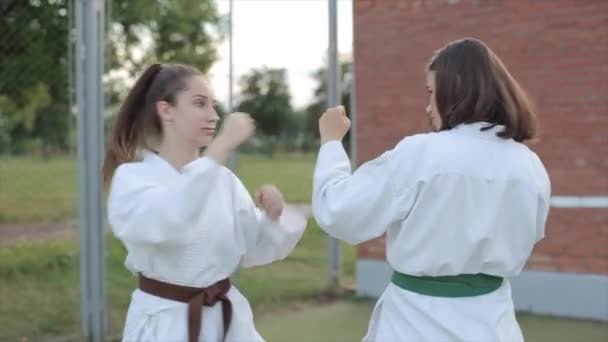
(557, 49)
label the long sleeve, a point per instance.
(360, 206)
(275, 239)
(544, 201)
(265, 241)
(143, 211)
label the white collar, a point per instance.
(158, 162)
(475, 130)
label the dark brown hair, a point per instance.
(473, 85)
(137, 120)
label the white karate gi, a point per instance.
(192, 228)
(455, 202)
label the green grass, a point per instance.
(39, 281)
(292, 173)
(39, 284)
(342, 321)
(34, 190)
(549, 329)
(347, 321)
(39, 290)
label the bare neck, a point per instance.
(177, 155)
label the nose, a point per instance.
(428, 109)
(214, 116)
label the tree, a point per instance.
(35, 58)
(319, 104)
(33, 72)
(184, 31)
(265, 95)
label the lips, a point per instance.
(208, 130)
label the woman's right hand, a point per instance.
(333, 124)
(236, 129)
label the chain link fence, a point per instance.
(39, 172)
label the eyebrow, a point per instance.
(204, 98)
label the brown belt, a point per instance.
(196, 299)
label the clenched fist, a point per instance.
(237, 128)
(333, 124)
(270, 199)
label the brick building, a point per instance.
(558, 50)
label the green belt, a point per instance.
(464, 285)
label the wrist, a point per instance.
(225, 143)
(273, 216)
(325, 140)
(219, 150)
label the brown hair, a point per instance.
(473, 85)
(137, 120)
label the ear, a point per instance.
(165, 111)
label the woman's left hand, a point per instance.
(270, 199)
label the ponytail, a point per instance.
(128, 129)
